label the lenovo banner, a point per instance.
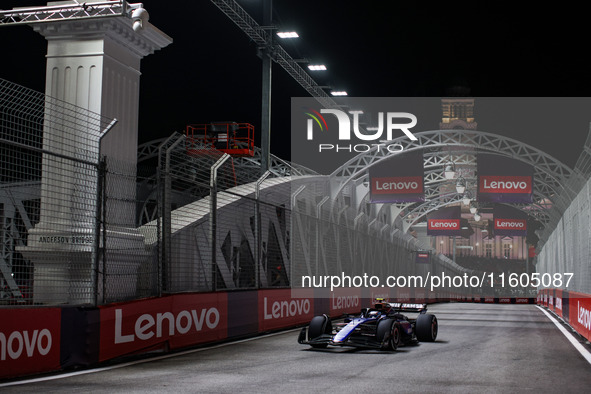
(558, 302)
(422, 257)
(503, 179)
(277, 308)
(444, 221)
(178, 320)
(29, 341)
(580, 313)
(345, 300)
(509, 221)
(397, 179)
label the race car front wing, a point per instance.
(365, 341)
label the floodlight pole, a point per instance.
(266, 55)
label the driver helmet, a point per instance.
(381, 303)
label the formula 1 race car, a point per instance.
(381, 327)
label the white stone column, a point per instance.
(93, 64)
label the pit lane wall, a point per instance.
(573, 307)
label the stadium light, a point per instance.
(338, 93)
(317, 67)
(287, 34)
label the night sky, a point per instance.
(371, 48)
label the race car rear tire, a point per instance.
(426, 328)
(388, 333)
(319, 325)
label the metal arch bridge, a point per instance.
(435, 199)
(555, 184)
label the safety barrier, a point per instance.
(40, 340)
(49, 339)
(573, 307)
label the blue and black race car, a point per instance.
(381, 327)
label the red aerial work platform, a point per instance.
(235, 139)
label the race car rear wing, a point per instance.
(420, 308)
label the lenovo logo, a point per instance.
(165, 324)
(444, 224)
(397, 185)
(283, 309)
(519, 224)
(505, 184)
(339, 302)
(583, 316)
(26, 341)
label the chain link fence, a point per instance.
(213, 202)
(129, 266)
(338, 240)
(49, 174)
(568, 248)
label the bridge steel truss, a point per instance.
(555, 184)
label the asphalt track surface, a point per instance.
(480, 348)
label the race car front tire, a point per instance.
(426, 328)
(388, 333)
(319, 325)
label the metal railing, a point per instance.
(568, 248)
(49, 177)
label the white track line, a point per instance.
(584, 352)
(147, 360)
